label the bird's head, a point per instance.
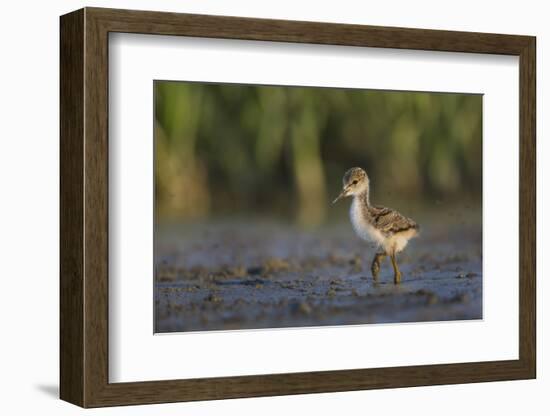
(355, 182)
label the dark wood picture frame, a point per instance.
(84, 207)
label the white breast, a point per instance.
(362, 227)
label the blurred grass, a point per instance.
(230, 149)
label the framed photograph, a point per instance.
(255, 207)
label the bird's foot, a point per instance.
(397, 278)
(375, 269)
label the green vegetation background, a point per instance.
(231, 149)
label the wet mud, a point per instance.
(227, 276)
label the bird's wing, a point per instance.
(390, 221)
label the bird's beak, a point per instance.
(343, 194)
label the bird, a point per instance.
(390, 230)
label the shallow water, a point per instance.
(228, 275)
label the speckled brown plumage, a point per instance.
(389, 221)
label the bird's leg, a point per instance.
(375, 268)
(397, 273)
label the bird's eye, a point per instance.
(354, 182)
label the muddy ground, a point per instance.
(244, 275)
